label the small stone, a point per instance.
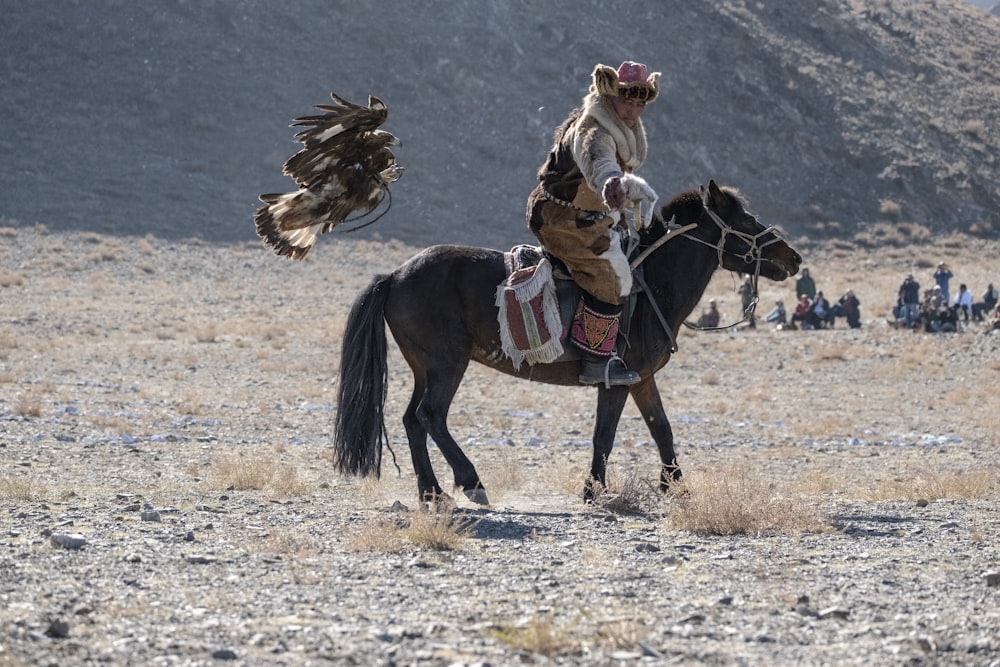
(200, 559)
(646, 548)
(992, 579)
(834, 612)
(922, 503)
(224, 654)
(58, 629)
(150, 515)
(133, 558)
(68, 540)
(398, 507)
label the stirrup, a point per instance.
(610, 372)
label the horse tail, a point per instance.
(360, 426)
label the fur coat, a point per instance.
(566, 211)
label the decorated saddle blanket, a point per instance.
(532, 322)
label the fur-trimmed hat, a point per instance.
(630, 81)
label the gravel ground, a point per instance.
(140, 379)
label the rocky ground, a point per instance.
(167, 494)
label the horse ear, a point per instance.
(716, 195)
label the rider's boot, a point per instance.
(595, 332)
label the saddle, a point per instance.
(536, 304)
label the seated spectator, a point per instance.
(848, 307)
(820, 315)
(801, 313)
(777, 314)
(709, 318)
(963, 302)
(987, 305)
(941, 320)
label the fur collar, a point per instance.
(631, 143)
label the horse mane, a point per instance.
(683, 204)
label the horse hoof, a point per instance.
(477, 495)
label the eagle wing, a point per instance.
(344, 168)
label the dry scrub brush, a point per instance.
(735, 500)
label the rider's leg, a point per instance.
(595, 333)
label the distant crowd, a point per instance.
(933, 310)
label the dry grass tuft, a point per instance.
(243, 474)
(19, 488)
(441, 530)
(930, 484)
(623, 634)
(735, 501)
(28, 408)
(629, 494)
(288, 542)
(504, 476)
(380, 535)
(539, 634)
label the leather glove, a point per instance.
(613, 193)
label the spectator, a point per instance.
(909, 297)
(944, 320)
(805, 285)
(801, 312)
(777, 315)
(963, 302)
(746, 297)
(848, 307)
(820, 315)
(988, 303)
(941, 277)
(710, 318)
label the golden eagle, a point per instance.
(345, 167)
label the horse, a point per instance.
(439, 306)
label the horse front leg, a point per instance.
(610, 403)
(647, 399)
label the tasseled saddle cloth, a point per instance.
(531, 327)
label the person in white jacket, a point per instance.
(963, 301)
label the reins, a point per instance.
(753, 255)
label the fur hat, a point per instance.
(630, 81)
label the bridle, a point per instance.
(753, 255)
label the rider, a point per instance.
(585, 186)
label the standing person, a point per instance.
(963, 301)
(805, 285)
(941, 277)
(746, 298)
(909, 299)
(586, 187)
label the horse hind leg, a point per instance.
(432, 413)
(416, 435)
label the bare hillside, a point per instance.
(170, 118)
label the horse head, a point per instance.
(745, 245)
(722, 222)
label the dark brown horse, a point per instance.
(440, 308)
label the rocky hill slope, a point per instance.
(170, 118)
